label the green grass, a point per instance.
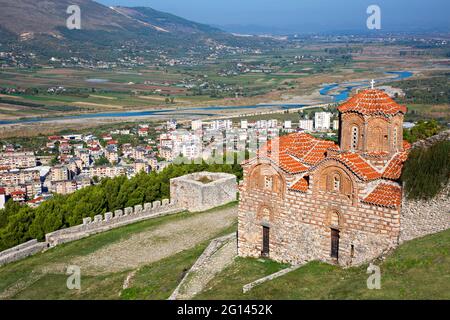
(158, 280)
(419, 269)
(161, 276)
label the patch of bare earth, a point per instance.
(156, 244)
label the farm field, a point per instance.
(153, 87)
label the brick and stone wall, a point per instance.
(420, 217)
(203, 190)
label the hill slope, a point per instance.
(104, 30)
(418, 269)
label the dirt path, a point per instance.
(156, 244)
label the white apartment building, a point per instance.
(322, 120)
(221, 125)
(335, 124)
(288, 124)
(267, 124)
(196, 125)
(307, 125)
(17, 160)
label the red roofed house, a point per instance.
(18, 196)
(305, 199)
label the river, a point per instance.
(343, 91)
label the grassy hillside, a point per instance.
(419, 269)
(43, 276)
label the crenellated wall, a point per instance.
(100, 223)
(112, 220)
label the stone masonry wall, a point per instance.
(420, 218)
(111, 220)
(300, 228)
(194, 195)
(21, 251)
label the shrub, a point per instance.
(427, 171)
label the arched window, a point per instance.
(336, 183)
(268, 182)
(395, 139)
(355, 136)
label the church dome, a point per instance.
(372, 101)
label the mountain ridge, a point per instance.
(43, 29)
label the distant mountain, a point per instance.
(40, 25)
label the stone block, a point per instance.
(118, 213)
(203, 190)
(147, 206)
(98, 218)
(156, 204)
(137, 209)
(165, 202)
(108, 216)
(87, 221)
(128, 211)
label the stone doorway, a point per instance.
(266, 241)
(334, 244)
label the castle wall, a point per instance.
(100, 223)
(111, 220)
(422, 217)
(192, 194)
(21, 251)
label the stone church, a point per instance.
(304, 198)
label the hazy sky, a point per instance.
(305, 15)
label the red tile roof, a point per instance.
(394, 168)
(290, 164)
(385, 195)
(372, 101)
(301, 185)
(296, 152)
(17, 193)
(357, 165)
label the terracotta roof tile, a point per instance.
(358, 165)
(372, 101)
(385, 195)
(301, 185)
(290, 164)
(294, 153)
(306, 148)
(394, 168)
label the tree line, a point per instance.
(20, 223)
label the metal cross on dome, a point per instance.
(372, 83)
